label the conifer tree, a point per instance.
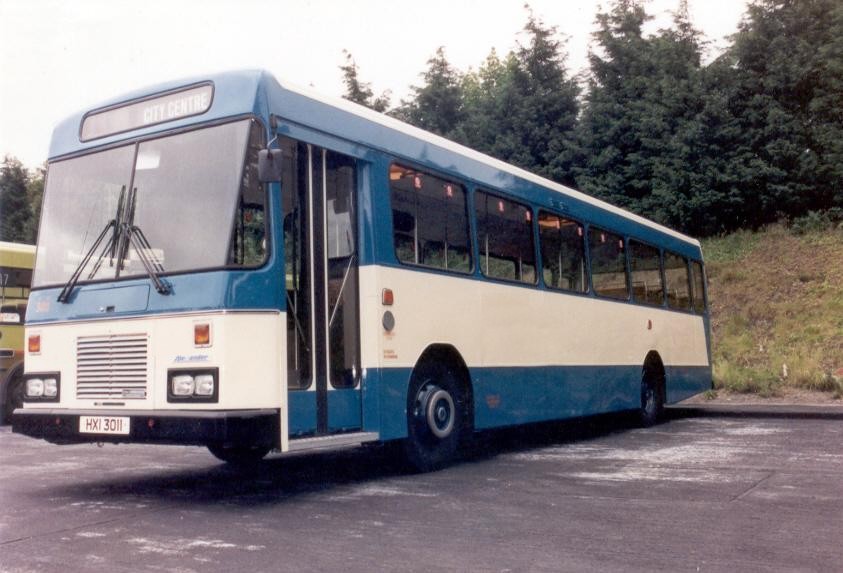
(787, 59)
(523, 109)
(437, 104)
(15, 210)
(358, 91)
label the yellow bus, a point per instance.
(16, 263)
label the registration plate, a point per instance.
(104, 425)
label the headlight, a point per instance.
(183, 385)
(204, 385)
(42, 387)
(188, 385)
(51, 387)
(34, 388)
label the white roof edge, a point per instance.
(449, 145)
(18, 247)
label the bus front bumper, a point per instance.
(234, 427)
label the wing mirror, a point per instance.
(269, 165)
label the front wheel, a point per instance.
(435, 418)
(14, 398)
(239, 455)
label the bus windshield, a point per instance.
(186, 188)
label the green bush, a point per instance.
(817, 221)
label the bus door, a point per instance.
(323, 330)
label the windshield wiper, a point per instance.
(114, 226)
(123, 232)
(132, 234)
(111, 246)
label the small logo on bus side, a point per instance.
(193, 358)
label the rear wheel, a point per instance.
(239, 455)
(652, 400)
(435, 417)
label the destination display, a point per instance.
(150, 111)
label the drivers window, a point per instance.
(248, 235)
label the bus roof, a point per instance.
(17, 255)
(258, 92)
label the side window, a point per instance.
(505, 238)
(563, 253)
(676, 277)
(248, 237)
(608, 264)
(429, 220)
(698, 286)
(645, 265)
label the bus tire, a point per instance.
(239, 455)
(435, 417)
(652, 394)
(12, 395)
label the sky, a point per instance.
(61, 56)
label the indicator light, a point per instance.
(387, 297)
(34, 343)
(202, 334)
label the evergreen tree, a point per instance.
(672, 126)
(361, 92)
(616, 102)
(645, 121)
(490, 103)
(35, 196)
(523, 109)
(437, 104)
(15, 211)
(548, 103)
(788, 72)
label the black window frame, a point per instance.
(703, 284)
(628, 297)
(533, 236)
(630, 242)
(690, 305)
(586, 287)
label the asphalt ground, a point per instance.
(704, 491)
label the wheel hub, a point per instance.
(438, 411)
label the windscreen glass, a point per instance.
(182, 192)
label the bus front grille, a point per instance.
(111, 366)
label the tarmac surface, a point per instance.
(704, 491)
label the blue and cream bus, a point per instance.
(242, 264)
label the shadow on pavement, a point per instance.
(287, 477)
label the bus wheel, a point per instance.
(652, 403)
(14, 398)
(435, 418)
(239, 455)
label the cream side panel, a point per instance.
(246, 347)
(499, 325)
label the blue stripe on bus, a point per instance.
(344, 411)
(518, 395)
(201, 291)
(302, 412)
(502, 396)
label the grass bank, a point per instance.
(776, 300)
